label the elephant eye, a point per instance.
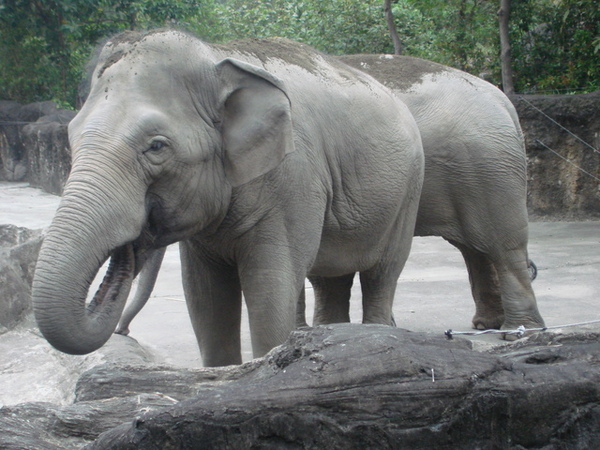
(156, 145)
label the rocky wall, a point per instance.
(34, 145)
(19, 248)
(562, 137)
(48, 154)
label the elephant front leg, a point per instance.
(214, 300)
(272, 284)
(378, 286)
(378, 283)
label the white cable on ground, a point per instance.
(519, 332)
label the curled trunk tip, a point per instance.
(66, 321)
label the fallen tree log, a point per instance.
(341, 386)
(352, 386)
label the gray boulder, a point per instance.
(12, 166)
(19, 248)
(48, 152)
(33, 144)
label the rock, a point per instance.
(46, 374)
(341, 386)
(558, 187)
(33, 144)
(45, 426)
(19, 248)
(120, 386)
(12, 166)
(49, 154)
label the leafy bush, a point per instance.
(556, 43)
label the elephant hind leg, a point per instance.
(501, 286)
(332, 298)
(518, 298)
(301, 310)
(378, 296)
(378, 284)
(485, 288)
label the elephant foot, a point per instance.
(122, 331)
(511, 337)
(519, 328)
(522, 329)
(487, 322)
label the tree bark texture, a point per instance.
(351, 386)
(355, 386)
(505, 56)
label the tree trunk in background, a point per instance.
(505, 58)
(389, 18)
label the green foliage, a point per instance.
(44, 44)
(336, 27)
(464, 33)
(556, 44)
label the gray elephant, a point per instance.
(267, 160)
(474, 191)
(475, 188)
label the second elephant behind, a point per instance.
(474, 191)
(475, 188)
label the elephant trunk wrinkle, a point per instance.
(63, 278)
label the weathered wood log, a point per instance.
(45, 426)
(352, 386)
(111, 380)
(340, 386)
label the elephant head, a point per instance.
(168, 131)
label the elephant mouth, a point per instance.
(120, 272)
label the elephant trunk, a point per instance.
(74, 249)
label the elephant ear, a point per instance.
(256, 121)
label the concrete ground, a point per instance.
(433, 293)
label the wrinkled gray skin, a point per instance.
(269, 162)
(474, 191)
(475, 188)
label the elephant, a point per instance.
(266, 160)
(147, 281)
(474, 190)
